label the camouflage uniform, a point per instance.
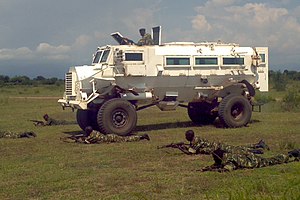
(9, 134)
(233, 161)
(146, 40)
(97, 137)
(203, 146)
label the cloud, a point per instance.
(200, 23)
(250, 23)
(45, 48)
(220, 2)
(258, 15)
(19, 53)
(81, 41)
(138, 18)
(45, 51)
(50, 52)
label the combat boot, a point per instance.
(262, 144)
(294, 153)
(145, 136)
(31, 134)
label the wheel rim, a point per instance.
(237, 111)
(234, 111)
(119, 118)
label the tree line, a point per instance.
(279, 80)
(24, 80)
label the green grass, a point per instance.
(47, 168)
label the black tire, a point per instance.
(117, 116)
(235, 111)
(250, 88)
(87, 118)
(200, 113)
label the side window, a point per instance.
(263, 57)
(133, 56)
(178, 61)
(233, 61)
(206, 61)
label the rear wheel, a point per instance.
(117, 116)
(200, 113)
(235, 111)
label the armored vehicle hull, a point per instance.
(210, 79)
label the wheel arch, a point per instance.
(239, 88)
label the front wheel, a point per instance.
(235, 111)
(117, 116)
(87, 118)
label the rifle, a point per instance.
(74, 138)
(172, 145)
(37, 122)
(213, 168)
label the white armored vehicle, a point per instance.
(210, 79)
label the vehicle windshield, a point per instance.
(104, 56)
(101, 56)
(97, 57)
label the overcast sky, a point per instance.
(39, 37)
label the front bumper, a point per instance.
(74, 104)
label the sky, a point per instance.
(45, 38)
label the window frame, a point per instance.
(104, 55)
(99, 58)
(233, 64)
(263, 57)
(206, 65)
(134, 60)
(177, 57)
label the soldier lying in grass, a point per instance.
(198, 145)
(50, 121)
(95, 137)
(225, 161)
(13, 135)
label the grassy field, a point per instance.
(47, 168)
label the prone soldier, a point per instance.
(95, 137)
(200, 145)
(37, 122)
(225, 162)
(50, 121)
(13, 135)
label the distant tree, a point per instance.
(20, 80)
(51, 81)
(280, 80)
(39, 78)
(4, 79)
(291, 100)
(293, 75)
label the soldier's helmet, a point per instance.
(189, 135)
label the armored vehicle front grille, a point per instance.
(68, 83)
